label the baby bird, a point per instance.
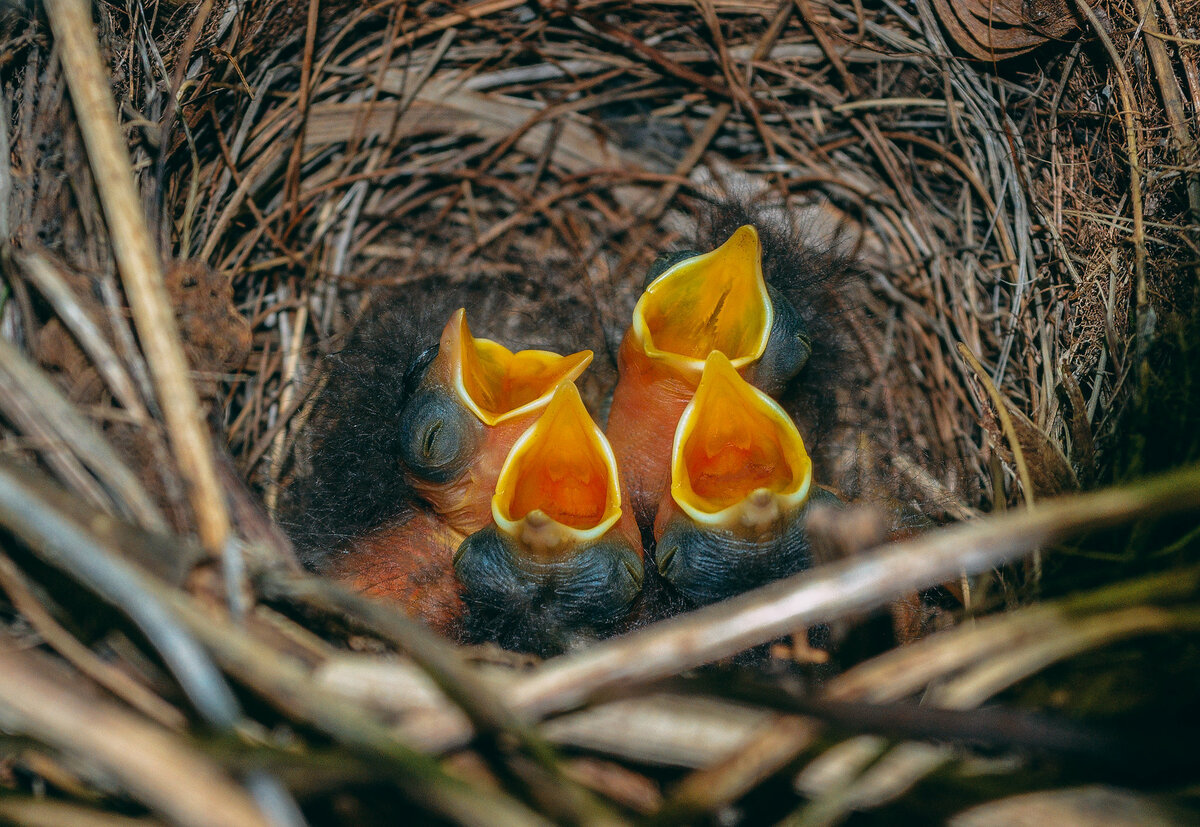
(408, 442)
(475, 399)
(695, 304)
(562, 558)
(741, 482)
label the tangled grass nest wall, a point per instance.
(223, 221)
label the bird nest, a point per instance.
(989, 212)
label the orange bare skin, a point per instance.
(410, 563)
(716, 301)
(646, 407)
(627, 526)
(668, 509)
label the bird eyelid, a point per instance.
(430, 437)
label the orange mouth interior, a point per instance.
(563, 467)
(498, 384)
(734, 440)
(715, 301)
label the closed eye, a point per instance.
(431, 438)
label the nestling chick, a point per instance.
(475, 398)
(563, 557)
(695, 305)
(741, 482)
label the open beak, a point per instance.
(737, 462)
(496, 384)
(558, 487)
(476, 399)
(562, 557)
(716, 301)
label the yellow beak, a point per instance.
(738, 461)
(496, 384)
(716, 301)
(559, 485)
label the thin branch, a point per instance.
(489, 715)
(141, 270)
(859, 584)
(42, 273)
(29, 387)
(82, 658)
(55, 537)
(155, 765)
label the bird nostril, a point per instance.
(665, 559)
(634, 574)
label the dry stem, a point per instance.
(139, 264)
